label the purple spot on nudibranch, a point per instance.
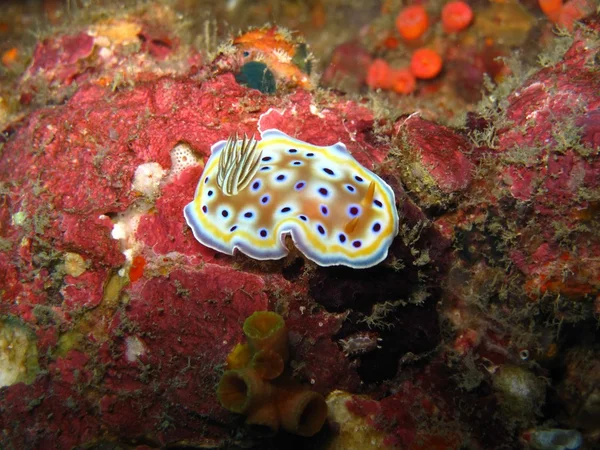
(264, 169)
(210, 193)
(376, 227)
(378, 203)
(328, 171)
(286, 209)
(310, 155)
(265, 199)
(353, 211)
(300, 185)
(280, 177)
(204, 209)
(292, 150)
(303, 218)
(324, 210)
(297, 163)
(206, 180)
(359, 179)
(342, 238)
(350, 188)
(263, 233)
(248, 214)
(356, 244)
(321, 229)
(256, 185)
(233, 228)
(224, 213)
(324, 192)
(266, 158)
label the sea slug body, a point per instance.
(360, 343)
(251, 194)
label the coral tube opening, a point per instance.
(268, 364)
(266, 330)
(302, 412)
(238, 390)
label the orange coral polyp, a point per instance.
(137, 268)
(265, 40)
(379, 75)
(9, 57)
(412, 22)
(456, 16)
(550, 7)
(403, 81)
(426, 64)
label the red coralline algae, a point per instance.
(75, 229)
(547, 166)
(548, 265)
(412, 418)
(435, 162)
(320, 125)
(84, 291)
(164, 221)
(324, 363)
(348, 66)
(63, 58)
(56, 401)
(590, 128)
(109, 53)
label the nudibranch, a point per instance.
(253, 193)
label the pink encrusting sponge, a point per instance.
(252, 193)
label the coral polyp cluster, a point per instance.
(257, 385)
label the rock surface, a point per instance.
(126, 320)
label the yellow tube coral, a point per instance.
(264, 419)
(268, 364)
(239, 390)
(302, 412)
(256, 384)
(239, 357)
(266, 330)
